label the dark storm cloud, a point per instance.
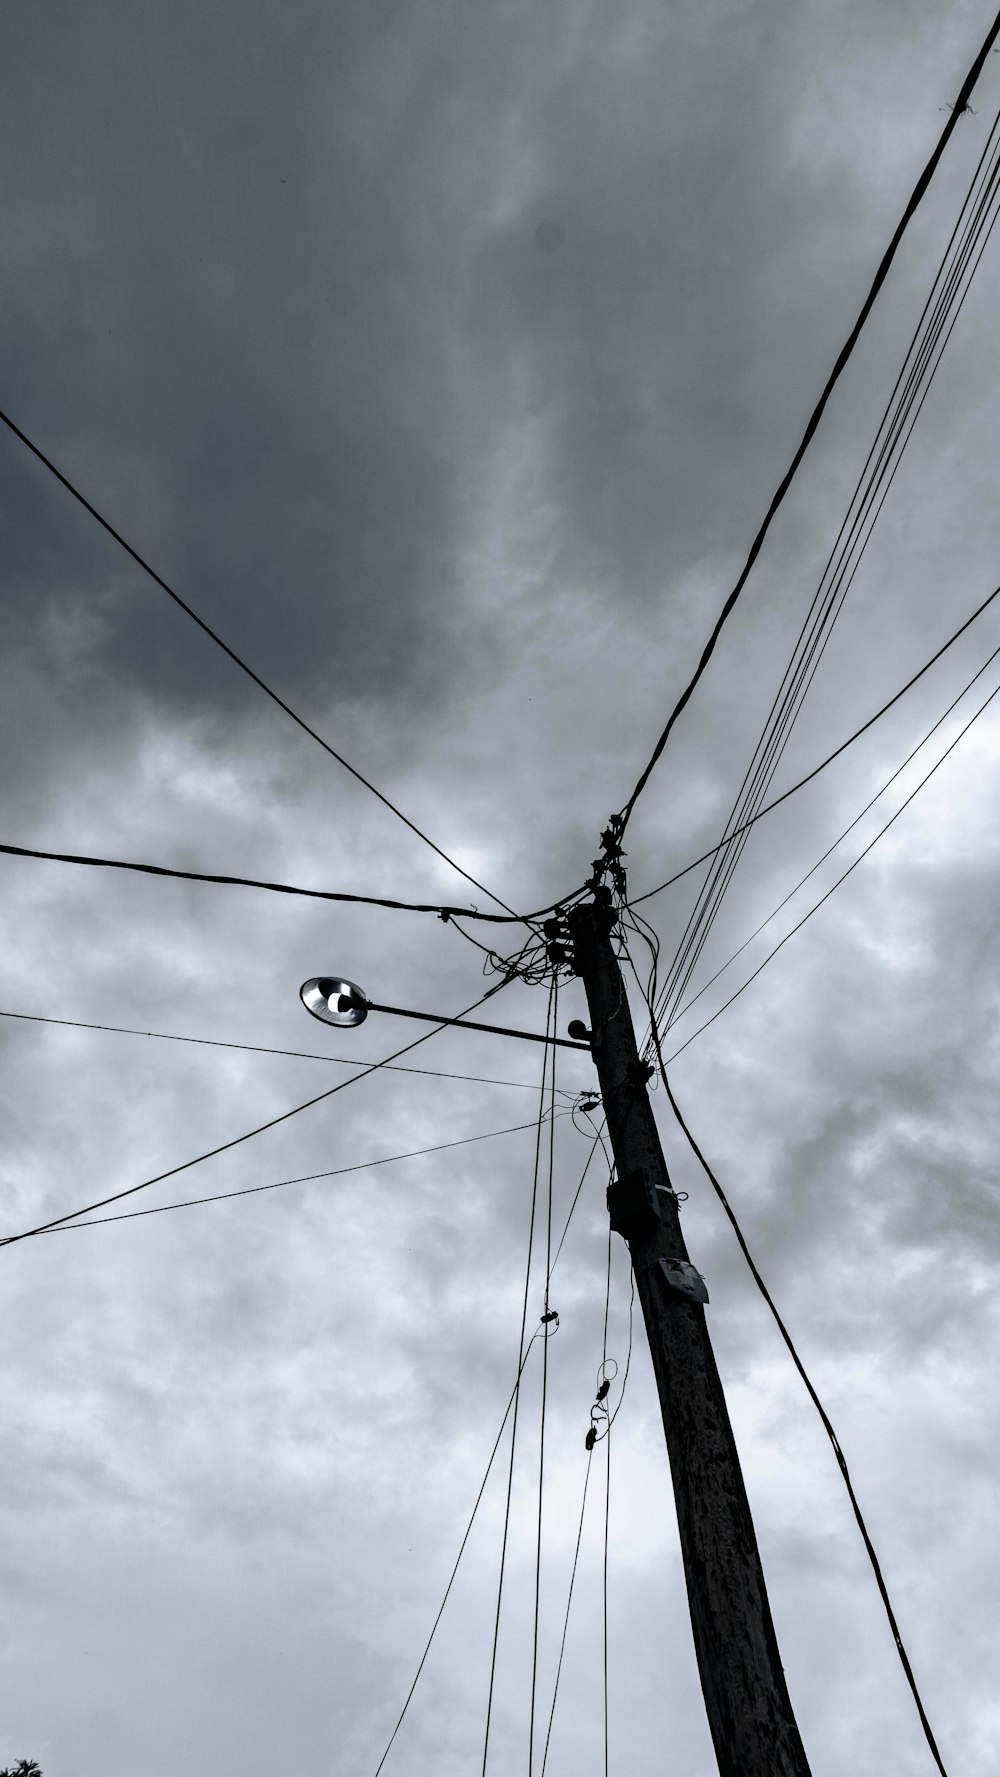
(267, 350)
(225, 341)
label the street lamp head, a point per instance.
(333, 1000)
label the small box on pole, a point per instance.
(633, 1206)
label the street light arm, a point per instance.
(499, 1030)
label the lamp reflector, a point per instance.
(334, 1000)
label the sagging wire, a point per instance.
(584, 1104)
(544, 955)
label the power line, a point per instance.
(461, 1551)
(636, 900)
(592, 1441)
(449, 912)
(628, 1357)
(545, 1383)
(817, 1403)
(539, 1333)
(303, 1179)
(607, 1523)
(569, 1601)
(607, 1504)
(837, 842)
(444, 911)
(517, 1388)
(223, 1147)
(164, 1036)
(817, 413)
(835, 885)
(237, 659)
(924, 354)
(595, 1145)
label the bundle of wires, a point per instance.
(948, 292)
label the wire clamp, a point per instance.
(679, 1197)
(637, 1074)
(681, 1279)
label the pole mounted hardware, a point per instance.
(681, 1279)
(336, 1001)
(633, 1205)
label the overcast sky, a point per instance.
(445, 358)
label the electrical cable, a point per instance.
(569, 1601)
(799, 676)
(597, 1142)
(539, 1333)
(223, 1147)
(237, 659)
(449, 912)
(817, 1403)
(458, 1558)
(607, 1502)
(846, 350)
(442, 911)
(305, 1178)
(895, 429)
(869, 1546)
(545, 1382)
(165, 1036)
(517, 1388)
(636, 900)
(628, 1355)
(842, 878)
(592, 1440)
(837, 842)
(607, 1521)
(815, 633)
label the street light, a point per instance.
(333, 1000)
(337, 1001)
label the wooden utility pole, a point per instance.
(749, 1710)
